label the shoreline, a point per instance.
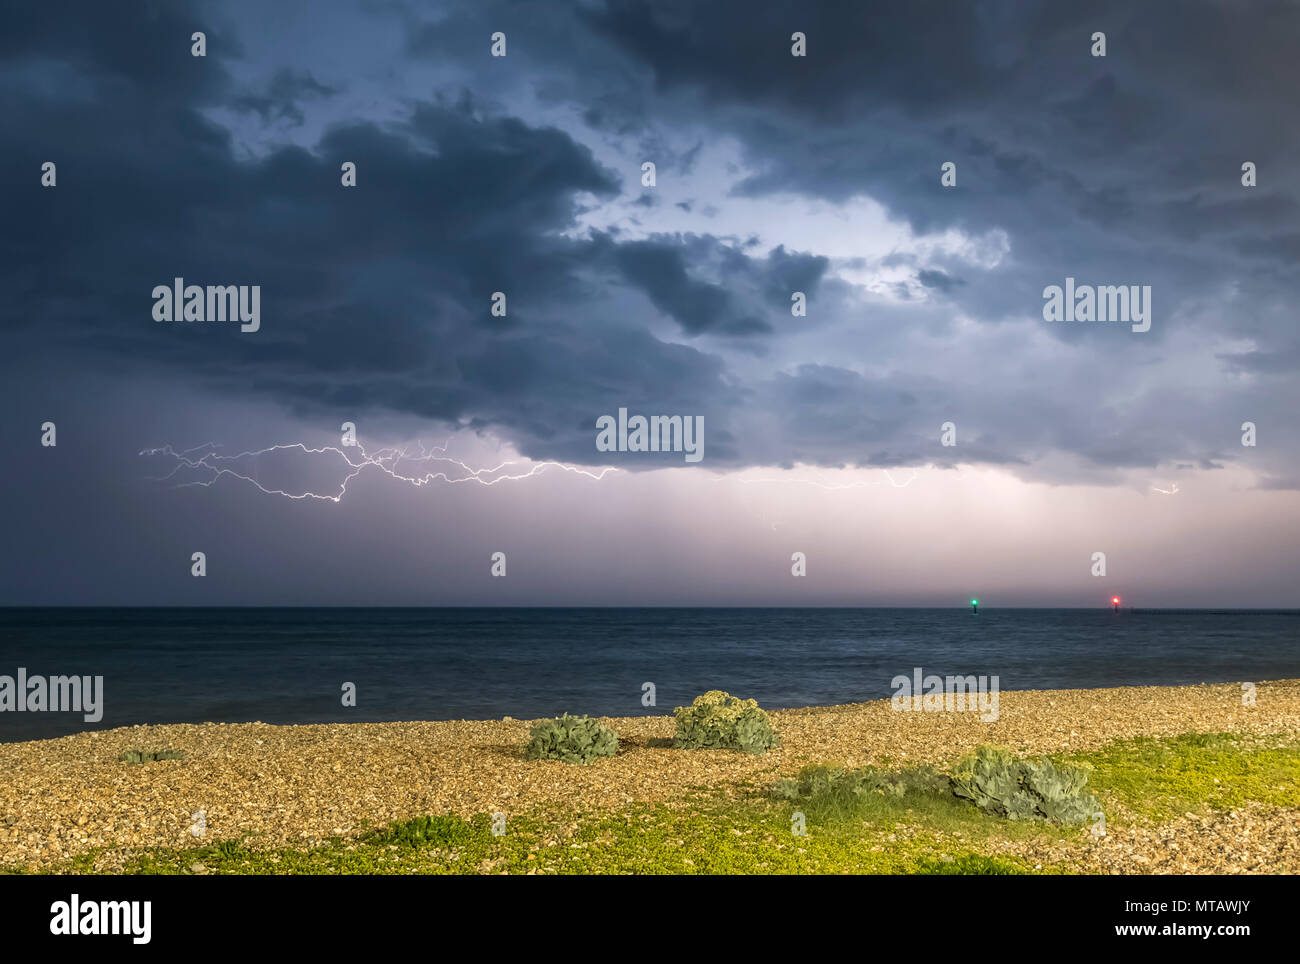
(811, 707)
(299, 784)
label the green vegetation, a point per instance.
(149, 756)
(971, 864)
(998, 781)
(751, 837)
(1163, 778)
(573, 739)
(839, 792)
(994, 780)
(720, 721)
(827, 819)
(444, 831)
(885, 800)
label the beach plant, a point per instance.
(999, 782)
(841, 788)
(427, 831)
(573, 739)
(719, 721)
(149, 756)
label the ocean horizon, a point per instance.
(290, 665)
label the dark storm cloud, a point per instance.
(144, 47)
(1148, 140)
(283, 96)
(521, 175)
(1094, 166)
(668, 270)
(904, 53)
(454, 207)
(872, 422)
(660, 271)
(1123, 169)
(376, 298)
(939, 280)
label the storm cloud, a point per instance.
(776, 176)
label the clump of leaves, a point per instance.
(720, 721)
(149, 756)
(841, 787)
(998, 781)
(573, 739)
(423, 832)
(229, 849)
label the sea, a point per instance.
(278, 665)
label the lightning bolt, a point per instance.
(414, 465)
(1170, 491)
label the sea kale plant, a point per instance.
(573, 739)
(720, 721)
(999, 782)
(995, 780)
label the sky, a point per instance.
(823, 432)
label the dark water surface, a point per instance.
(287, 665)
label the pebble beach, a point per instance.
(297, 785)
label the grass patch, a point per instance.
(972, 864)
(1165, 778)
(441, 831)
(737, 837)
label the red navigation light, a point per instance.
(1114, 599)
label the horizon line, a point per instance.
(962, 608)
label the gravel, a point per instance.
(296, 785)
